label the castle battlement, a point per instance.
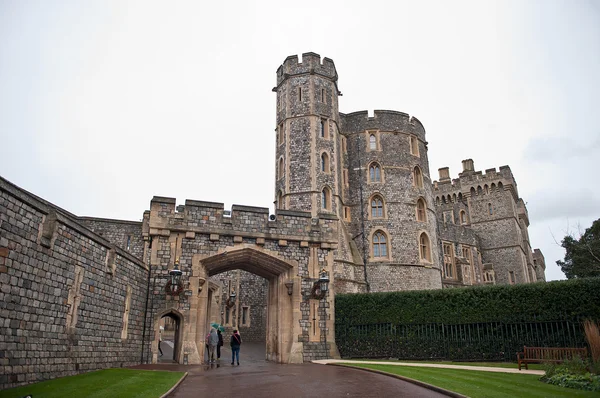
(243, 221)
(384, 120)
(311, 64)
(469, 178)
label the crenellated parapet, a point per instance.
(383, 120)
(199, 217)
(310, 64)
(470, 182)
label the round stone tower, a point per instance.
(307, 176)
(388, 200)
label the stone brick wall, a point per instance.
(125, 234)
(41, 248)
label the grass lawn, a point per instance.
(483, 384)
(123, 383)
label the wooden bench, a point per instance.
(548, 354)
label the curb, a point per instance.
(409, 380)
(175, 386)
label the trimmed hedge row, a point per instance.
(478, 323)
(537, 301)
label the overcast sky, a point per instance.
(104, 104)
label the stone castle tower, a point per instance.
(399, 230)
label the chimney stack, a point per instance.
(468, 165)
(444, 174)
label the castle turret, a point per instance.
(307, 135)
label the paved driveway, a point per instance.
(256, 377)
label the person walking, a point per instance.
(236, 342)
(213, 341)
(220, 344)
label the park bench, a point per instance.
(548, 354)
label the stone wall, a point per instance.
(63, 294)
(125, 234)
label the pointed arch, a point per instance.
(325, 165)
(280, 168)
(377, 206)
(421, 210)
(326, 199)
(479, 190)
(379, 244)
(417, 177)
(375, 172)
(424, 247)
(473, 193)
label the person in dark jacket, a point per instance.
(236, 342)
(220, 344)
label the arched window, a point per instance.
(379, 244)
(421, 214)
(500, 186)
(473, 193)
(325, 163)
(486, 189)
(479, 190)
(372, 142)
(280, 200)
(424, 247)
(375, 172)
(463, 217)
(437, 201)
(326, 199)
(417, 177)
(281, 133)
(460, 197)
(280, 168)
(376, 207)
(454, 198)
(322, 130)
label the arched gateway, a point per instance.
(290, 252)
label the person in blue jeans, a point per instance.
(236, 342)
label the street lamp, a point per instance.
(321, 286)
(174, 285)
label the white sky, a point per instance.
(104, 104)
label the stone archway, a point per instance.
(283, 309)
(178, 336)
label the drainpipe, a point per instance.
(362, 213)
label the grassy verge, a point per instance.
(482, 384)
(107, 383)
(509, 365)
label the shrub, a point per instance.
(571, 374)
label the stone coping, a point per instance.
(109, 220)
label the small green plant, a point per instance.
(573, 373)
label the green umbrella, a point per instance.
(215, 325)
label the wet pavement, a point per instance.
(256, 377)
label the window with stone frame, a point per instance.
(322, 95)
(377, 210)
(421, 210)
(372, 142)
(346, 180)
(379, 244)
(344, 145)
(468, 275)
(488, 277)
(490, 209)
(281, 169)
(326, 199)
(281, 133)
(512, 279)
(323, 131)
(374, 172)
(325, 163)
(245, 316)
(417, 177)
(414, 145)
(449, 272)
(449, 217)
(280, 200)
(424, 247)
(347, 213)
(463, 217)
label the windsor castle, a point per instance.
(355, 200)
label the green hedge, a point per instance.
(477, 323)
